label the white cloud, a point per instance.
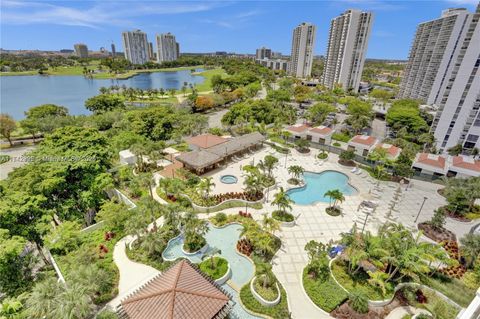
(373, 5)
(96, 15)
(235, 21)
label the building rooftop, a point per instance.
(433, 160)
(299, 128)
(324, 130)
(364, 140)
(466, 162)
(392, 150)
(206, 140)
(180, 292)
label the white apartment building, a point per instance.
(303, 42)
(433, 55)
(263, 53)
(274, 64)
(135, 46)
(457, 120)
(166, 47)
(347, 48)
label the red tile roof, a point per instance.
(391, 149)
(431, 160)
(321, 130)
(180, 292)
(206, 140)
(298, 128)
(364, 139)
(466, 163)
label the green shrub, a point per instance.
(347, 155)
(336, 144)
(358, 302)
(220, 218)
(342, 137)
(269, 293)
(283, 216)
(323, 155)
(279, 311)
(4, 158)
(325, 294)
(333, 211)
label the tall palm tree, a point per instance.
(335, 196)
(270, 161)
(282, 201)
(296, 171)
(270, 225)
(73, 302)
(470, 247)
(205, 186)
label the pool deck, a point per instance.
(314, 224)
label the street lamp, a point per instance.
(420, 210)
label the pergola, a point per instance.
(205, 159)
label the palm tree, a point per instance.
(146, 180)
(42, 300)
(282, 201)
(205, 186)
(270, 161)
(253, 182)
(269, 224)
(335, 195)
(73, 302)
(470, 247)
(296, 171)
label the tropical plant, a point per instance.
(270, 225)
(205, 187)
(335, 196)
(358, 302)
(470, 247)
(302, 145)
(194, 230)
(296, 171)
(282, 201)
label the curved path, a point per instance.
(132, 274)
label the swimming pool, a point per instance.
(224, 239)
(317, 184)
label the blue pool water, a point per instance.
(228, 179)
(317, 184)
(224, 239)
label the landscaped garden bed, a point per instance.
(283, 216)
(325, 293)
(267, 292)
(278, 311)
(358, 282)
(215, 267)
(333, 211)
(436, 234)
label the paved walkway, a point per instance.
(400, 312)
(15, 161)
(394, 204)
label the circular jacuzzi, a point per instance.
(229, 179)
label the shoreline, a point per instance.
(105, 76)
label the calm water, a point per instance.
(317, 184)
(224, 239)
(19, 93)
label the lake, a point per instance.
(19, 93)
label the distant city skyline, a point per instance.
(239, 27)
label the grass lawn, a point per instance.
(325, 294)
(206, 85)
(358, 282)
(219, 269)
(452, 288)
(267, 293)
(279, 311)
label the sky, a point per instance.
(207, 26)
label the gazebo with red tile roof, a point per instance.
(298, 130)
(321, 134)
(180, 292)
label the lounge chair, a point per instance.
(353, 170)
